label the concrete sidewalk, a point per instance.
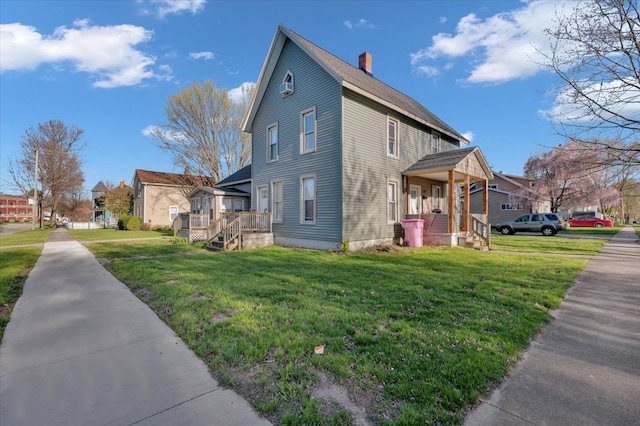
(82, 349)
(584, 368)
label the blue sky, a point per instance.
(108, 67)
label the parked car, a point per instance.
(590, 222)
(546, 223)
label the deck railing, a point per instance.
(198, 221)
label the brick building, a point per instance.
(15, 208)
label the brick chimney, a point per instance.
(364, 62)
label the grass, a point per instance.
(593, 231)
(112, 234)
(144, 248)
(415, 336)
(15, 264)
(538, 244)
(34, 236)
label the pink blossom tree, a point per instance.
(567, 176)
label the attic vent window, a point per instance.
(286, 88)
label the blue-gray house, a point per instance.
(340, 157)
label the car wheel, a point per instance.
(548, 231)
(505, 230)
(599, 225)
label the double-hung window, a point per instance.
(392, 202)
(308, 199)
(435, 143)
(272, 142)
(308, 131)
(392, 138)
(278, 201)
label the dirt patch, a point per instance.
(330, 391)
(102, 260)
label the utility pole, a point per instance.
(35, 193)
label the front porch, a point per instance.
(445, 208)
(232, 230)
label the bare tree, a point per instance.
(202, 133)
(595, 50)
(59, 165)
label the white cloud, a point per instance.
(427, 70)
(162, 8)
(443, 20)
(202, 55)
(468, 135)
(116, 63)
(500, 48)
(237, 94)
(152, 131)
(360, 23)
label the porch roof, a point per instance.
(217, 191)
(465, 161)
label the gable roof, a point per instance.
(242, 175)
(441, 162)
(100, 187)
(349, 77)
(173, 179)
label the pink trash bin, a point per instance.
(413, 229)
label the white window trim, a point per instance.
(396, 184)
(315, 199)
(269, 159)
(302, 130)
(396, 147)
(177, 209)
(273, 201)
(289, 75)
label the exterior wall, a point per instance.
(367, 168)
(313, 87)
(157, 199)
(14, 208)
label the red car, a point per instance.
(590, 222)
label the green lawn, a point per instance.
(414, 336)
(539, 244)
(26, 237)
(144, 248)
(593, 231)
(15, 264)
(112, 234)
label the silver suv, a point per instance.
(547, 223)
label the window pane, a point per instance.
(309, 132)
(308, 209)
(309, 189)
(273, 143)
(310, 142)
(309, 195)
(309, 123)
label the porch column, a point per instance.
(451, 206)
(467, 203)
(485, 200)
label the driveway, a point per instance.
(11, 228)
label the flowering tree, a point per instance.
(568, 176)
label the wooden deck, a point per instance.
(230, 231)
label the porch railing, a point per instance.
(481, 227)
(198, 221)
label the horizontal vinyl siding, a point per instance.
(313, 87)
(367, 168)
